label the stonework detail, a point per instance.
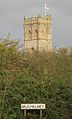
(38, 33)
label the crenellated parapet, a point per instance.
(38, 19)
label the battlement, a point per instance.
(38, 19)
(42, 17)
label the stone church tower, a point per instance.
(38, 33)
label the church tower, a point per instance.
(38, 33)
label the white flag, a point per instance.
(46, 6)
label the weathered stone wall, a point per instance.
(38, 33)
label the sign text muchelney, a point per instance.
(32, 106)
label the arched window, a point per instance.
(36, 33)
(29, 34)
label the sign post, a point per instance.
(32, 107)
(40, 114)
(24, 114)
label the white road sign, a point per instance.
(32, 106)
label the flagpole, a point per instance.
(45, 11)
(46, 8)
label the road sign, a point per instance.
(32, 106)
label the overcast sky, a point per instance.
(12, 14)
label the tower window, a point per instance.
(29, 34)
(36, 33)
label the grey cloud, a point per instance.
(12, 13)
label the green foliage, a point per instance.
(39, 77)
